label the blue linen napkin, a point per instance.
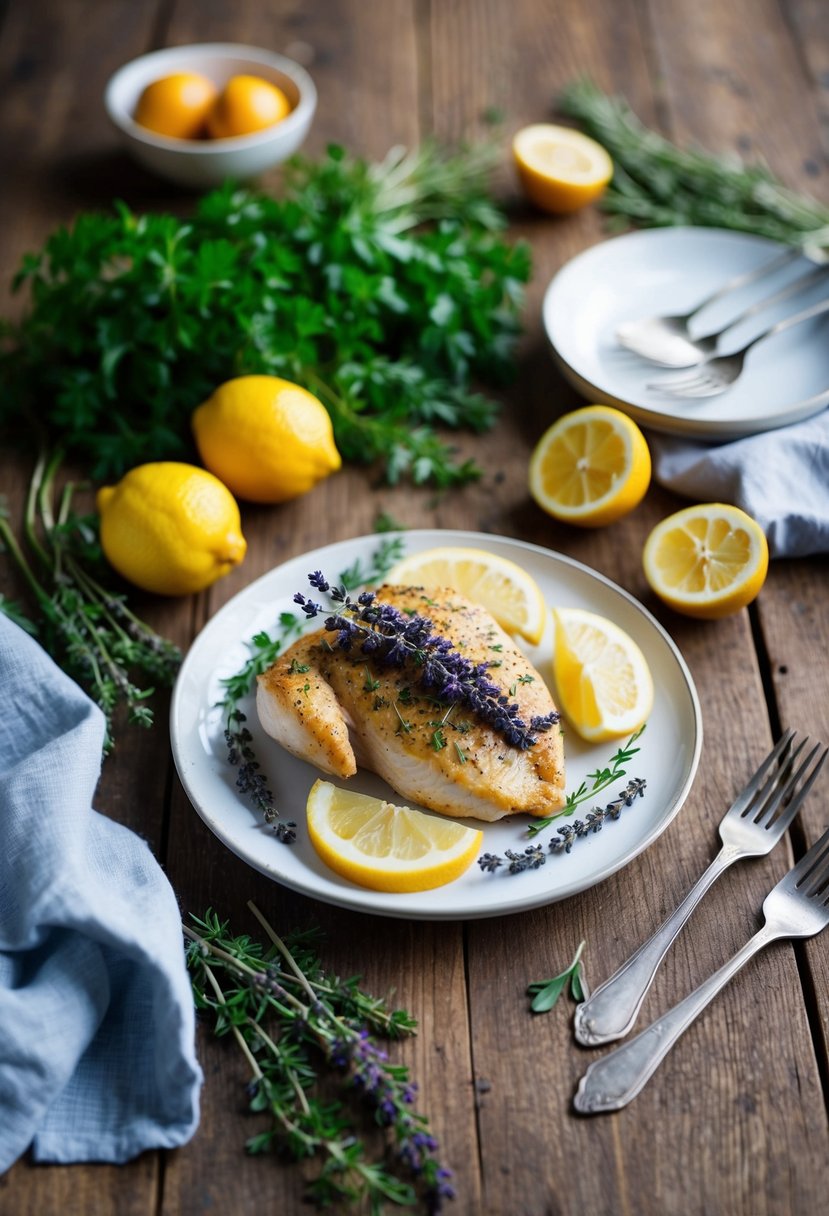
(780, 477)
(97, 1058)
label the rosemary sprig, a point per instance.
(657, 184)
(289, 1018)
(545, 993)
(601, 778)
(86, 627)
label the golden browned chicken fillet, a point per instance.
(339, 709)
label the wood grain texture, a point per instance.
(736, 1121)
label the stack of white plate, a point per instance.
(669, 271)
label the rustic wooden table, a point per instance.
(736, 1122)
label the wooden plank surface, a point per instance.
(495, 1081)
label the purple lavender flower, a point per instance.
(397, 640)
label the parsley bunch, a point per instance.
(385, 289)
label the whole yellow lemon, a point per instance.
(267, 439)
(170, 528)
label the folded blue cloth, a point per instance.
(780, 477)
(97, 1059)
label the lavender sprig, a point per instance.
(287, 1016)
(534, 856)
(393, 639)
(250, 780)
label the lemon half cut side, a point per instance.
(560, 170)
(507, 591)
(591, 467)
(707, 561)
(385, 847)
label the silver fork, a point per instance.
(716, 374)
(751, 827)
(797, 907)
(688, 352)
(651, 335)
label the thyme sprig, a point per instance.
(289, 1018)
(657, 184)
(388, 552)
(601, 778)
(534, 855)
(545, 993)
(395, 639)
(86, 627)
(250, 781)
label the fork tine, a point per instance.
(812, 871)
(752, 786)
(672, 384)
(707, 388)
(784, 819)
(762, 811)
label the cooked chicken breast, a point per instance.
(339, 709)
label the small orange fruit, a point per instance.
(246, 104)
(177, 106)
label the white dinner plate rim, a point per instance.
(505, 898)
(714, 429)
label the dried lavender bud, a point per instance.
(395, 639)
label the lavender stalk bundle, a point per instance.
(393, 639)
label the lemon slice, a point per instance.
(603, 681)
(560, 169)
(591, 467)
(707, 561)
(388, 848)
(506, 591)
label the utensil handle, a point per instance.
(616, 1079)
(791, 289)
(749, 277)
(814, 311)
(611, 1010)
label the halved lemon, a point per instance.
(707, 560)
(497, 584)
(388, 848)
(591, 467)
(560, 169)
(604, 684)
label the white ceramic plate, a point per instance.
(670, 270)
(670, 746)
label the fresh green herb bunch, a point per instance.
(292, 1022)
(382, 288)
(86, 627)
(657, 184)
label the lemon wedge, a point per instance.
(388, 848)
(509, 593)
(603, 681)
(707, 560)
(591, 467)
(560, 169)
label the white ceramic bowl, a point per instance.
(206, 162)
